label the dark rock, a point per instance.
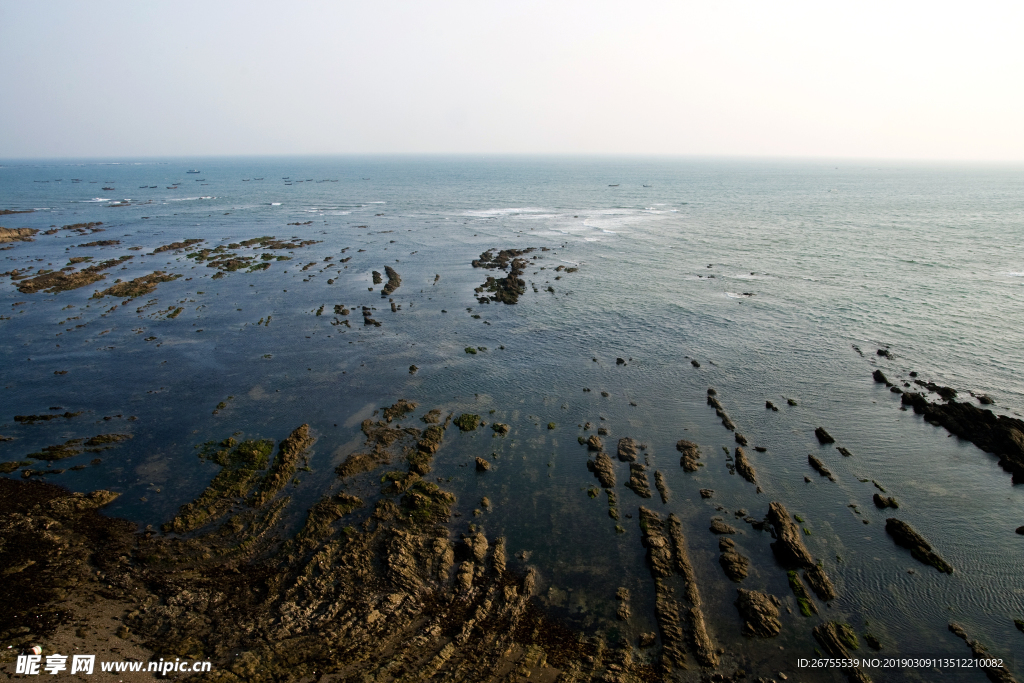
(659, 483)
(720, 527)
(500, 428)
(873, 642)
(770, 406)
(883, 502)
(482, 465)
(707, 493)
(711, 391)
(823, 436)
(820, 583)
(743, 466)
(845, 452)
(620, 361)
(791, 401)
(638, 480)
(985, 399)
(602, 468)
(694, 363)
(594, 443)
(1020, 530)
(880, 378)
(884, 353)
(759, 614)
(736, 566)
(467, 422)
(820, 467)
(627, 449)
(740, 439)
(994, 669)
(834, 638)
(789, 549)
(998, 434)
(760, 449)
(906, 537)
(647, 639)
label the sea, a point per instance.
(766, 280)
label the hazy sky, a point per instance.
(921, 80)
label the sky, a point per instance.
(880, 80)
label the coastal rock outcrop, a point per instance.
(905, 536)
(690, 455)
(997, 434)
(759, 612)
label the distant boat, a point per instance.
(615, 185)
(193, 171)
(108, 188)
(646, 185)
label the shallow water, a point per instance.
(925, 261)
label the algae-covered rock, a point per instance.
(241, 466)
(284, 465)
(467, 422)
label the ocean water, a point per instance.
(771, 275)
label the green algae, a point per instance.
(467, 422)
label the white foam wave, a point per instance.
(484, 213)
(1013, 274)
(275, 203)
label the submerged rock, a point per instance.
(906, 537)
(759, 613)
(994, 669)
